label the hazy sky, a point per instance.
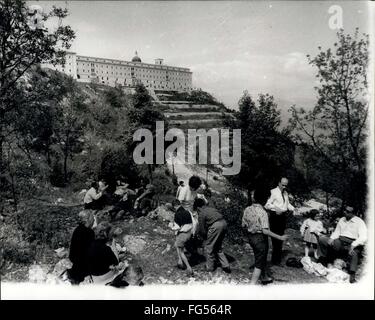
(229, 46)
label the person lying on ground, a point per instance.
(183, 226)
(347, 241)
(93, 198)
(311, 229)
(255, 220)
(212, 227)
(82, 238)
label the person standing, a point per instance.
(183, 226)
(181, 185)
(310, 230)
(278, 206)
(212, 227)
(255, 220)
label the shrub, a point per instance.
(13, 252)
(163, 183)
(232, 212)
(49, 225)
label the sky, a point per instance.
(230, 46)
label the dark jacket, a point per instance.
(182, 217)
(206, 217)
(81, 240)
(99, 258)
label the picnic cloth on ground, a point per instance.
(332, 274)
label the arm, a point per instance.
(268, 232)
(201, 225)
(335, 234)
(290, 207)
(94, 195)
(303, 227)
(362, 232)
(244, 223)
(269, 205)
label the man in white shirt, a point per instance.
(278, 205)
(181, 185)
(346, 241)
(92, 197)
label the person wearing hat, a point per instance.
(346, 241)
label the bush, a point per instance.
(49, 225)
(117, 162)
(13, 252)
(232, 212)
(163, 183)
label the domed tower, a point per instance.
(136, 58)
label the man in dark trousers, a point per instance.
(278, 206)
(347, 241)
(82, 238)
(212, 228)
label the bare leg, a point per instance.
(307, 250)
(316, 255)
(255, 276)
(185, 260)
(179, 256)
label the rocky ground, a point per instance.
(149, 242)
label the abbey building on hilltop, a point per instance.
(113, 72)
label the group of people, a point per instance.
(197, 223)
(95, 255)
(265, 218)
(123, 198)
(196, 220)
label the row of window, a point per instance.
(149, 69)
(139, 70)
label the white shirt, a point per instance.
(178, 192)
(91, 195)
(355, 229)
(276, 202)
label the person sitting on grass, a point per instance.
(93, 197)
(311, 228)
(212, 227)
(101, 257)
(183, 227)
(255, 220)
(144, 201)
(82, 238)
(347, 241)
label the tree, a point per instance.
(22, 46)
(336, 127)
(68, 125)
(266, 151)
(143, 115)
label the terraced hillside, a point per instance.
(192, 113)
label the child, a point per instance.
(255, 220)
(183, 226)
(310, 230)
